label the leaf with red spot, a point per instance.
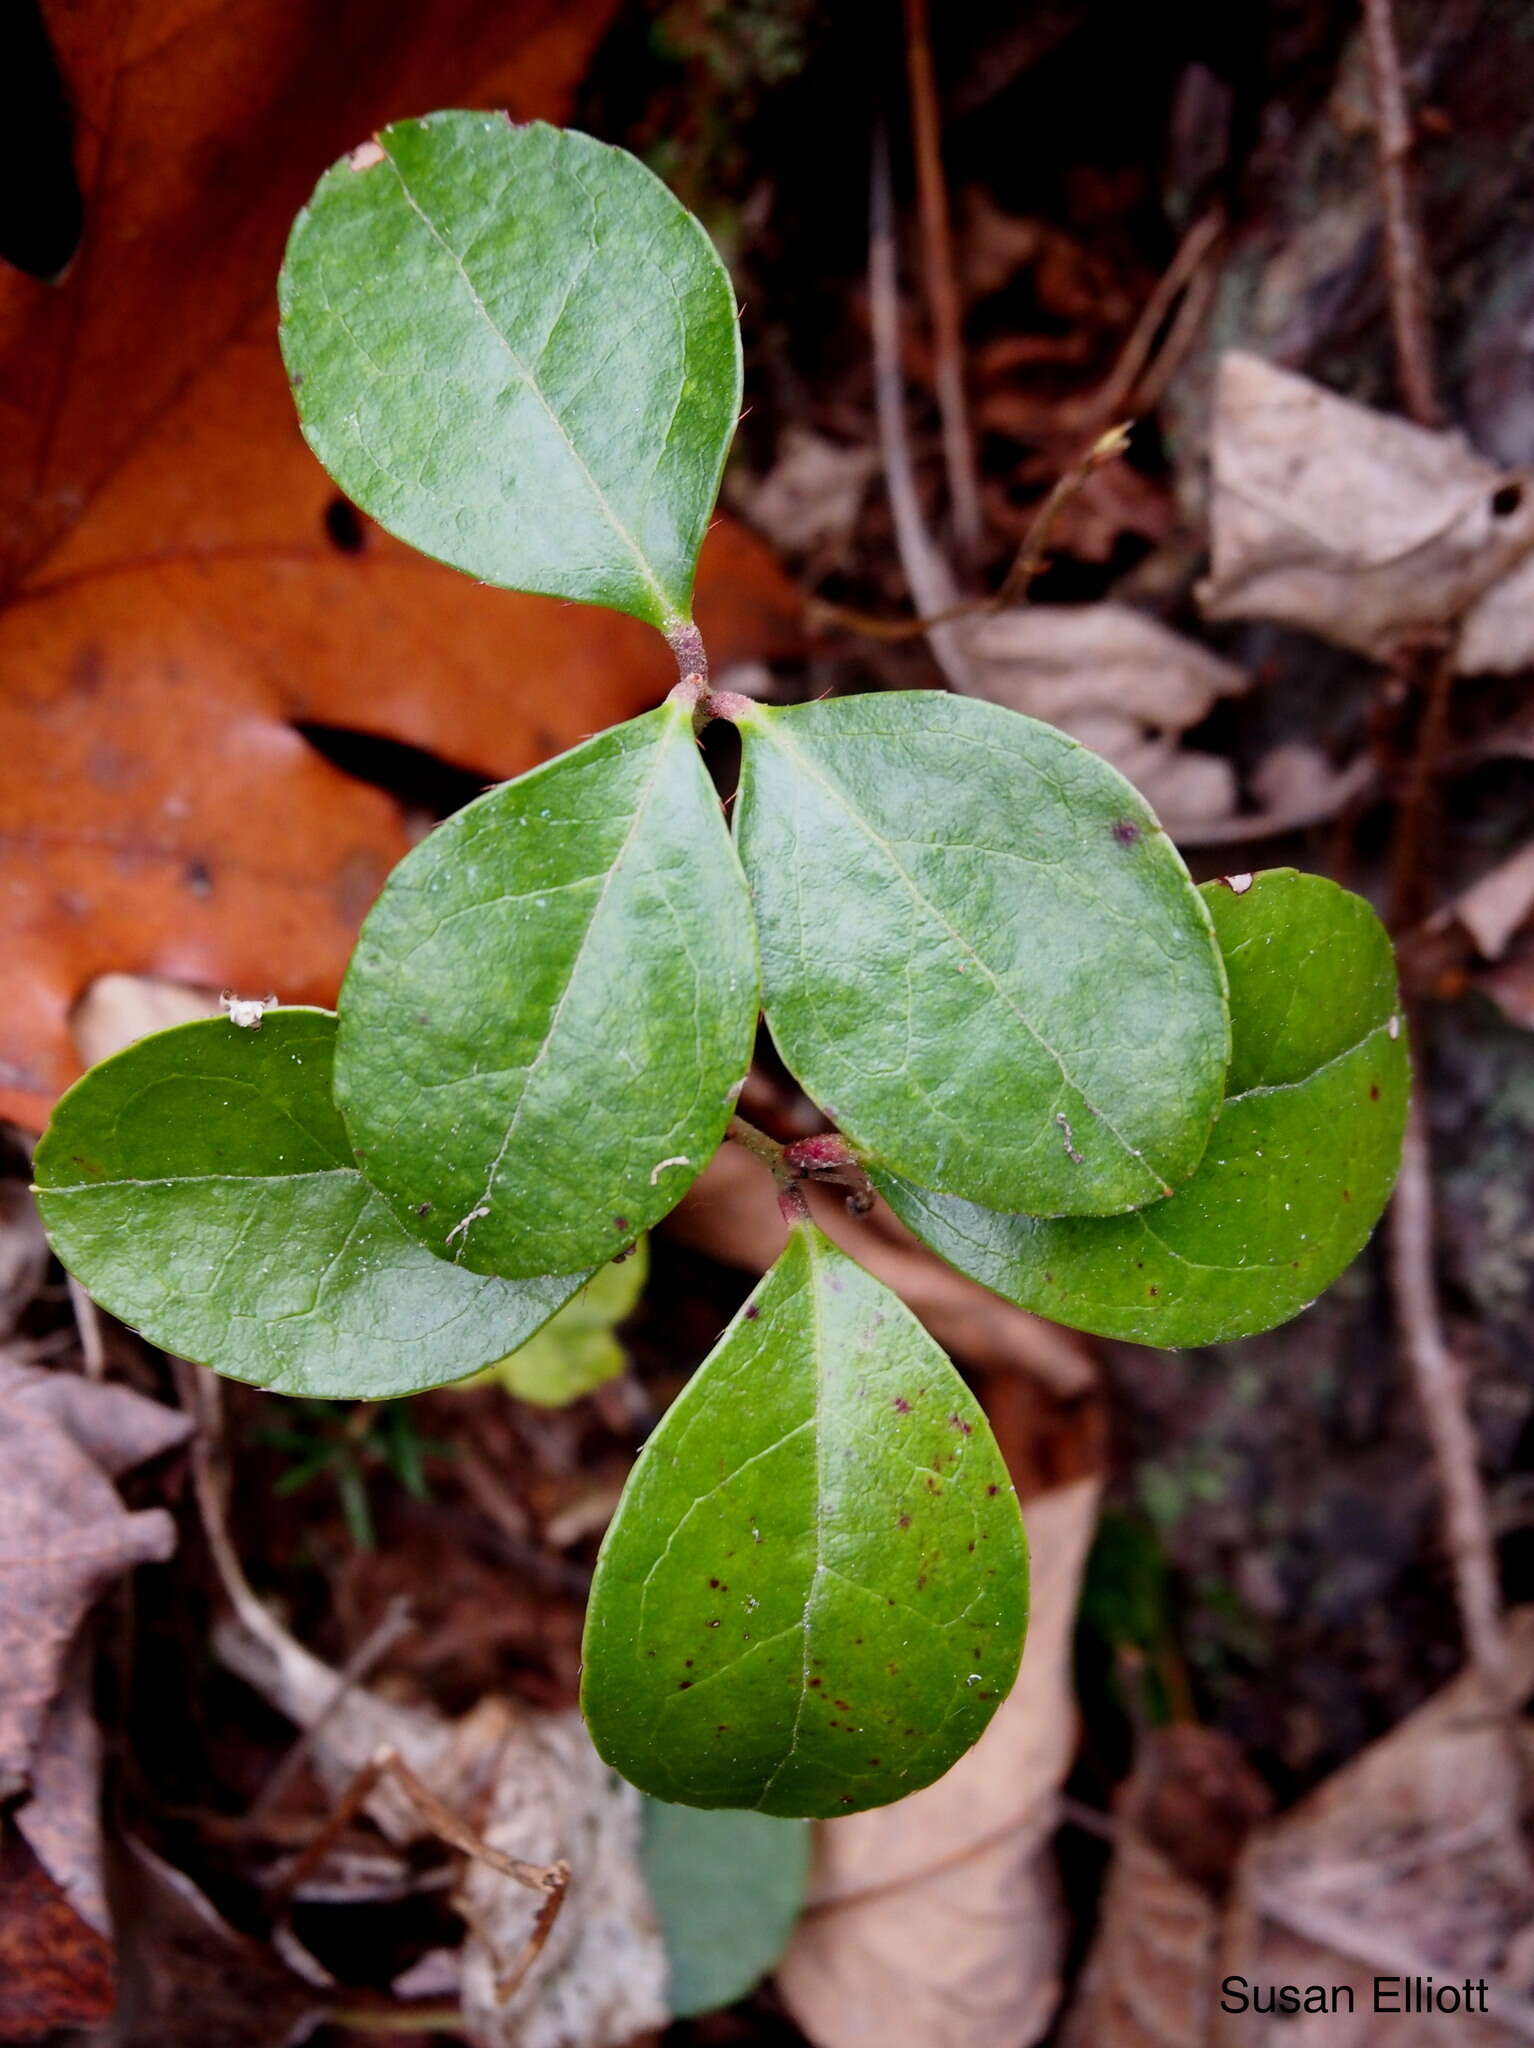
(813, 1596)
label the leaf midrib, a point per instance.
(886, 846)
(672, 613)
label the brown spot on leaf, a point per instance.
(1126, 831)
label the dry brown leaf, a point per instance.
(809, 500)
(199, 132)
(64, 1534)
(183, 1964)
(1150, 1980)
(1361, 527)
(731, 1212)
(536, 1789)
(180, 605)
(1496, 907)
(1405, 1863)
(55, 1970)
(937, 1919)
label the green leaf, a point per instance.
(814, 1592)
(201, 1187)
(576, 1351)
(980, 953)
(549, 1006)
(728, 1888)
(519, 353)
(1300, 1166)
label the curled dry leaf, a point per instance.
(1150, 1979)
(536, 1790)
(184, 1963)
(1405, 1863)
(185, 595)
(1360, 527)
(64, 1534)
(937, 1919)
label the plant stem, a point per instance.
(941, 290)
(761, 1147)
(1405, 271)
(686, 643)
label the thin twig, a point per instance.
(931, 582)
(1119, 387)
(88, 1322)
(1405, 269)
(1440, 1392)
(396, 1621)
(941, 289)
(1031, 554)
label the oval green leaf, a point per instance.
(1298, 1170)
(200, 1186)
(727, 1888)
(549, 1006)
(519, 353)
(980, 953)
(814, 1593)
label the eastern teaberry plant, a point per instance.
(1149, 1110)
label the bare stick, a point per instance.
(550, 1879)
(1405, 270)
(928, 575)
(941, 289)
(88, 1322)
(1436, 1377)
(1030, 556)
(376, 1644)
(1119, 386)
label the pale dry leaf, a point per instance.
(1121, 683)
(1360, 527)
(1149, 1981)
(61, 1822)
(118, 1008)
(602, 1978)
(731, 1212)
(810, 499)
(938, 1919)
(537, 1789)
(64, 1533)
(1496, 907)
(1403, 1864)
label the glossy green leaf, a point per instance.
(200, 1186)
(980, 953)
(549, 1005)
(813, 1595)
(1300, 1166)
(728, 1888)
(517, 351)
(577, 1350)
